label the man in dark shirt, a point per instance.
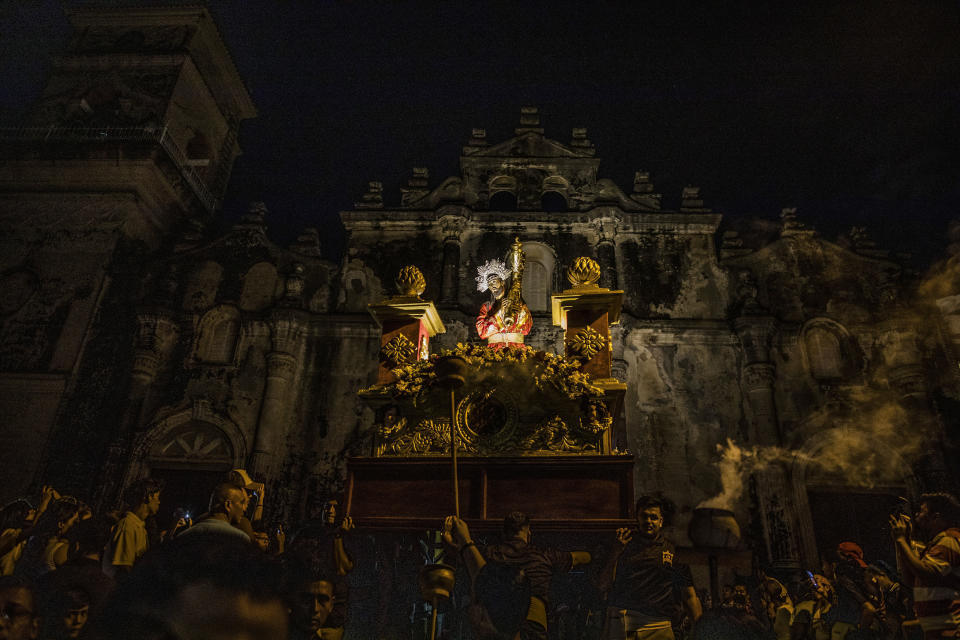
(513, 560)
(646, 587)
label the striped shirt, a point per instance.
(936, 599)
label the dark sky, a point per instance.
(849, 111)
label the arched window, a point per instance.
(538, 275)
(554, 194)
(503, 201)
(503, 194)
(218, 336)
(535, 286)
(552, 201)
(259, 287)
(823, 347)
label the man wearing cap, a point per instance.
(853, 610)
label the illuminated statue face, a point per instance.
(495, 284)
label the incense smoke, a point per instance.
(874, 444)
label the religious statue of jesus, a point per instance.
(504, 319)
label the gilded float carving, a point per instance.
(515, 402)
(587, 342)
(398, 351)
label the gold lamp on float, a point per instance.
(436, 585)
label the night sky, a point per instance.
(849, 111)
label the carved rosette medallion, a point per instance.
(584, 272)
(487, 420)
(410, 282)
(398, 351)
(587, 342)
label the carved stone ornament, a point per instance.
(410, 282)
(398, 351)
(587, 342)
(584, 272)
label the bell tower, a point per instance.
(134, 135)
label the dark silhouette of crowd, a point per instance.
(66, 572)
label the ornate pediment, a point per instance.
(529, 145)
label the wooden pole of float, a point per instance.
(453, 454)
(451, 374)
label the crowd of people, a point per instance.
(66, 572)
(849, 598)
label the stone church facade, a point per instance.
(134, 343)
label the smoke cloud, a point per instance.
(872, 445)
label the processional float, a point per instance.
(483, 430)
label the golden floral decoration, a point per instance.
(587, 342)
(399, 350)
(584, 272)
(410, 281)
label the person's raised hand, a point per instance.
(346, 525)
(624, 536)
(455, 532)
(899, 526)
(47, 493)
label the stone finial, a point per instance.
(530, 116)
(307, 243)
(584, 272)
(789, 224)
(420, 177)
(410, 282)
(254, 220)
(373, 198)
(478, 138)
(732, 245)
(690, 199)
(529, 120)
(416, 187)
(256, 213)
(642, 183)
(579, 140)
(293, 285)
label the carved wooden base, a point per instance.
(557, 492)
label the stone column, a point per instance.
(288, 330)
(899, 343)
(775, 505)
(453, 226)
(757, 377)
(157, 334)
(606, 229)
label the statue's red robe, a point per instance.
(492, 328)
